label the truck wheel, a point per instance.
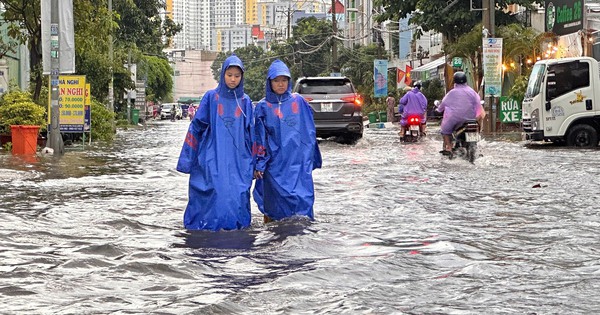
(583, 136)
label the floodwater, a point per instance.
(399, 229)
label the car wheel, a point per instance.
(348, 139)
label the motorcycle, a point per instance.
(466, 137)
(412, 131)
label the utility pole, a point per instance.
(129, 91)
(490, 22)
(55, 138)
(334, 56)
(288, 15)
(289, 20)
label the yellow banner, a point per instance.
(72, 99)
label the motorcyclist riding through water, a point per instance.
(413, 103)
(459, 105)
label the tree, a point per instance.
(312, 39)
(159, 84)
(433, 15)
(137, 25)
(357, 64)
(25, 15)
(140, 25)
(468, 47)
(519, 43)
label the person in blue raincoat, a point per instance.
(217, 153)
(287, 150)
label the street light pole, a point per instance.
(55, 138)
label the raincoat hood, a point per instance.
(276, 69)
(222, 88)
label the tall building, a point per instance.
(222, 25)
(195, 18)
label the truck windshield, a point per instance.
(535, 80)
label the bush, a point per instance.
(102, 122)
(18, 108)
(517, 91)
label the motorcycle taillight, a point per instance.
(472, 126)
(414, 120)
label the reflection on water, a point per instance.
(398, 229)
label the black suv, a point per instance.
(336, 107)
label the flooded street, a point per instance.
(399, 229)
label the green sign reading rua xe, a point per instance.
(564, 16)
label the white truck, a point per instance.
(562, 102)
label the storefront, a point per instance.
(432, 70)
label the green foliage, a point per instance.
(140, 25)
(102, 122)
(517, 91)
(312, 43)
(433, 90)
(92, 23)
(159, 76)
(452, 22)
(136, 26)
(357, 64)
(17, 108)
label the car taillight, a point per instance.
(357, 100)
(308, 99)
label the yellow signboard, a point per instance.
(72, 98)
(88, 94)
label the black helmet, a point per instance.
(460, 77)
(417, 84)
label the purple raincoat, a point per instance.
(459, 105)
(413, 103)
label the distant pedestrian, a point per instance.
(391, 103)
(191, 111)
(217, 153)
(287, 149)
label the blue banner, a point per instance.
(380, 77)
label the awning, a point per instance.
(431, 65)
(428, 70)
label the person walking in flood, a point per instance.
(286, 149)
(217, 153)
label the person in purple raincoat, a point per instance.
(413, 103)
(459, 105)
(287, 150)
(217, 153)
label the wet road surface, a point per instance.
(399, 229)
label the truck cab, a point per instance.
(561, 103)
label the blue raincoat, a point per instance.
(217, 153)
(287, 151)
